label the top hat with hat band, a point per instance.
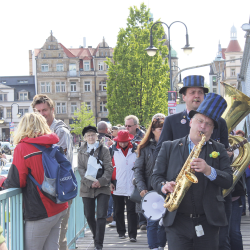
(89, 129)
(213, 107)
(193, 81)
(123, 136)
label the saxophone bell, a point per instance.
(191, 177)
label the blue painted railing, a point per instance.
(11, 218)
(77, 221)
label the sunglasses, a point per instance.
(129, 126)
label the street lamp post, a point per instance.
(18, 114)
(151, 50)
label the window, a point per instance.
(73, 107)
(44, 55)
(60, 87)
(45, 67)
(45, 87)
(59, 55)
(8, 113)
(86, 66)
(103, 86)
(102, 53)
(106, 53)
(73, 86)
(214, 81)
(87, 86)
(72, 67)
(22, 81)
(232, 72)
(3, 97)
(23, 96)
(23, 111)
(215, 90)
(88, 104)
(103, 106)
(107, 67)
(231, 58)
(100, 66)
(61, 108)
(59, 67)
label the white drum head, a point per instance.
(152, 205)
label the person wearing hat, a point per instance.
(177, 126)
(95, 193)
(196, 222)
(123, 159)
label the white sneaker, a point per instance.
(112, 224)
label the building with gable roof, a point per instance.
(70, 76)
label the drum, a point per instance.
(152, 206)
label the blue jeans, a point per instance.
(156, 234)
(234, 230)
(243, 198)
(110, 207)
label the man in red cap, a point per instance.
(123, 159)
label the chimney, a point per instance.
(30, 63)
(84, 42)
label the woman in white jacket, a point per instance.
(123, 159)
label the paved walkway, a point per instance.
(112, 241)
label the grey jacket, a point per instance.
(83, 156)
(66, 139)
(144, 166)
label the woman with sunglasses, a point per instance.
(144, 165)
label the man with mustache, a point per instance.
(196, 221)
(177, 126)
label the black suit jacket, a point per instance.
(177, 126)
(169, 163)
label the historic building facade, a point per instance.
(16, 95)
(71, 76)
(227, 64)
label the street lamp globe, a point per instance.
(187, 50)
(151, 50)
(1, 120)
(18, 115)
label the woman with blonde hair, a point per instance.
(42, 216)
(143, 168)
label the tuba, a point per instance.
(184, 179)
(238, 107)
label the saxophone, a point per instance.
(184, 179)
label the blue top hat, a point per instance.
(193, 82)
(213, 107)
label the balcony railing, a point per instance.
(11, 218)
(74, 95)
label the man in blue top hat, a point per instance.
(178, 125)
(196, 222)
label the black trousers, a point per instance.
(97, 225)
(182, 236)
(120, 218)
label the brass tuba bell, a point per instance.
(238, 107)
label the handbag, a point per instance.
(135, 195)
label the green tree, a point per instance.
(137, 83)
(82, 118)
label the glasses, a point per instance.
(91, 135)
(129, 126)
(207, 124)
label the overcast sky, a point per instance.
(25, 25)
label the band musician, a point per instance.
(195, 223)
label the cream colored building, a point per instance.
(71, 76)
(233, 51)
